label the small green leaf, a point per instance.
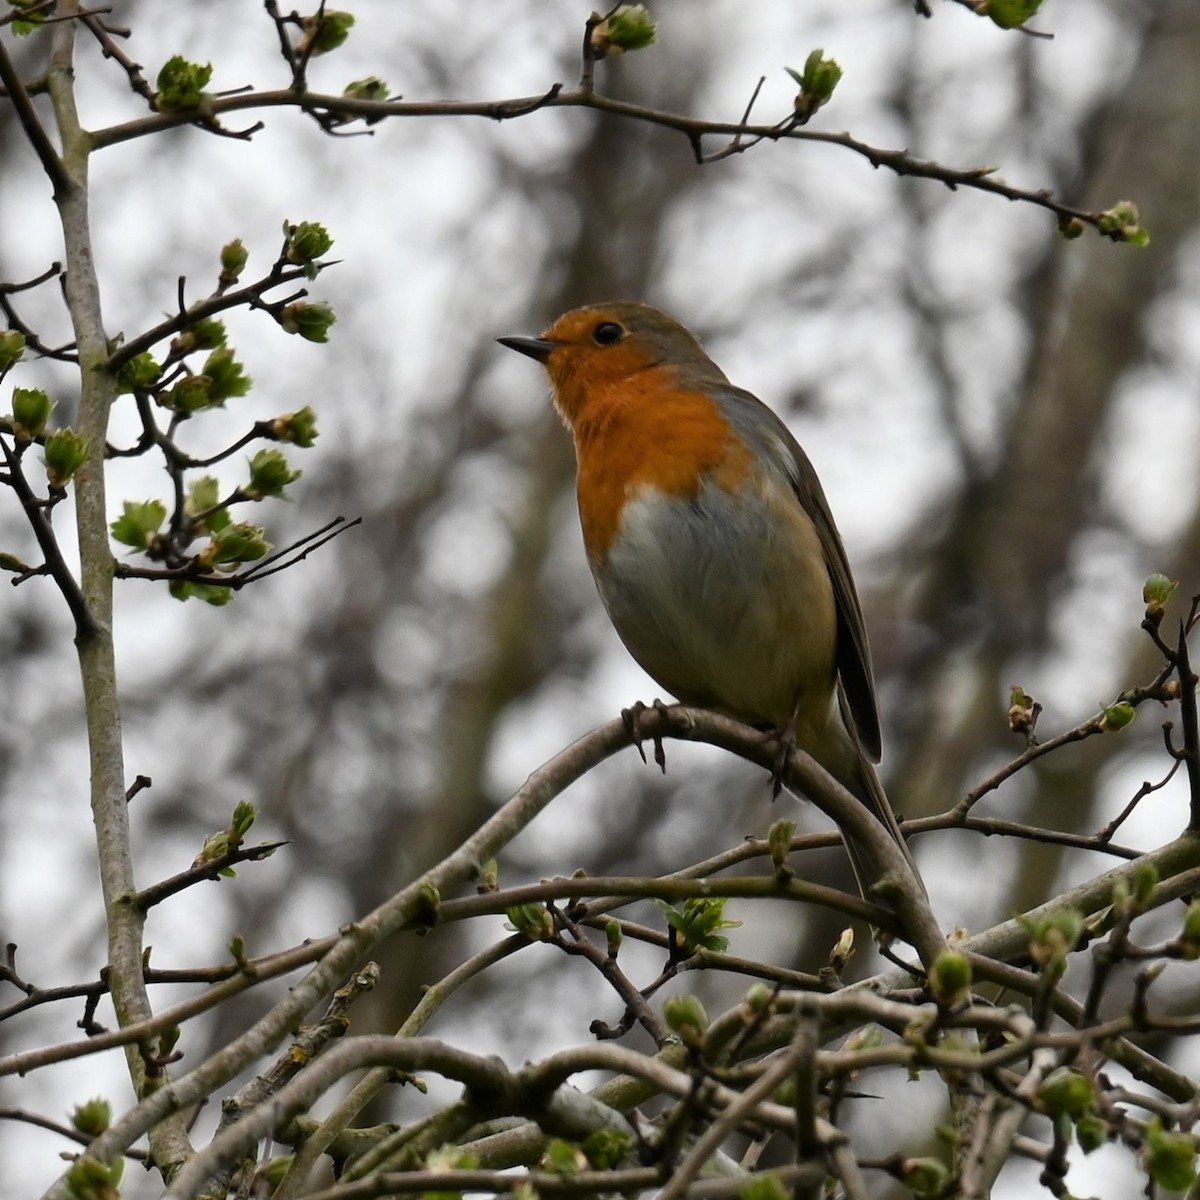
(210, 593)
(779, 842)
(766, 1185)
(1169, 1157)
(31, 411)
(227, 377)
(1156, 591)
(950, 979)
(1123, 223)
(325, 31)
(696, 922)
(1091, 1132)
(93, 1117)
(139, 523)
(203, 497)
(65, 453)
(534, 920)
(924, 1176)
(607, 1149)
(234, 257)
(629, 28)
(299, 428)
(235, 544)
(1066, 1093)
(1117, 716)
(138, 374)
(181, 84)
(686, 1016)
(305, 243)
(269, 475)
(370, 88)
(12, 346)
(1009, 14)
(311, 320)
(817, 82)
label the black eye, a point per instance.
(608, 332)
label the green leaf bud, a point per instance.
(12, 346)
(1091, 1132)
(276, 1169)
(1065, 1093)
(1009, 14)
(139, 523)
(305, 243)
(1123, 223)
(325, 31)
(924, 1176)
(269, 475)
(203, 497)
(65, 453)
(607, 1149)
(1071, 227)
(311, 320)
(299, 428)
(758, 998)
(950, 979)
(88, 1178)
(235, 544)
(1145, 880)
(227, 376)
(10, 562)
(629, 28)
(204, 335)
(31, 411)
(696, 922)
(869, 1037)
(686, 1016)
(210, 593)
(370, 88)
(1169, 1157)
(190, 394)
(138, 374)
(93, 1117)
(1156, 591)
(244, 814)
(1023, 710)
(779, 841)
(181, 84)
(613, 937)
(1117, 716)
(765, 1185)
(234, 257)
(1190, 937)
(534, 920)
(817, 82)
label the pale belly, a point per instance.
(726, 602)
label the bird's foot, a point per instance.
(632, 718)
(786, 737)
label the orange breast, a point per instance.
(643, 431)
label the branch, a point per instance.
(85, 622)
(52, 164)
(900, 162)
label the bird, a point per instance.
(712, 544)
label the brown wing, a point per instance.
(754, 421)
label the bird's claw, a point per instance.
(632, 719)
(787, 743)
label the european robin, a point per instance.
(711, 541)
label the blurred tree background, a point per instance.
(1006, 422)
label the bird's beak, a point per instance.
(538, 348)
